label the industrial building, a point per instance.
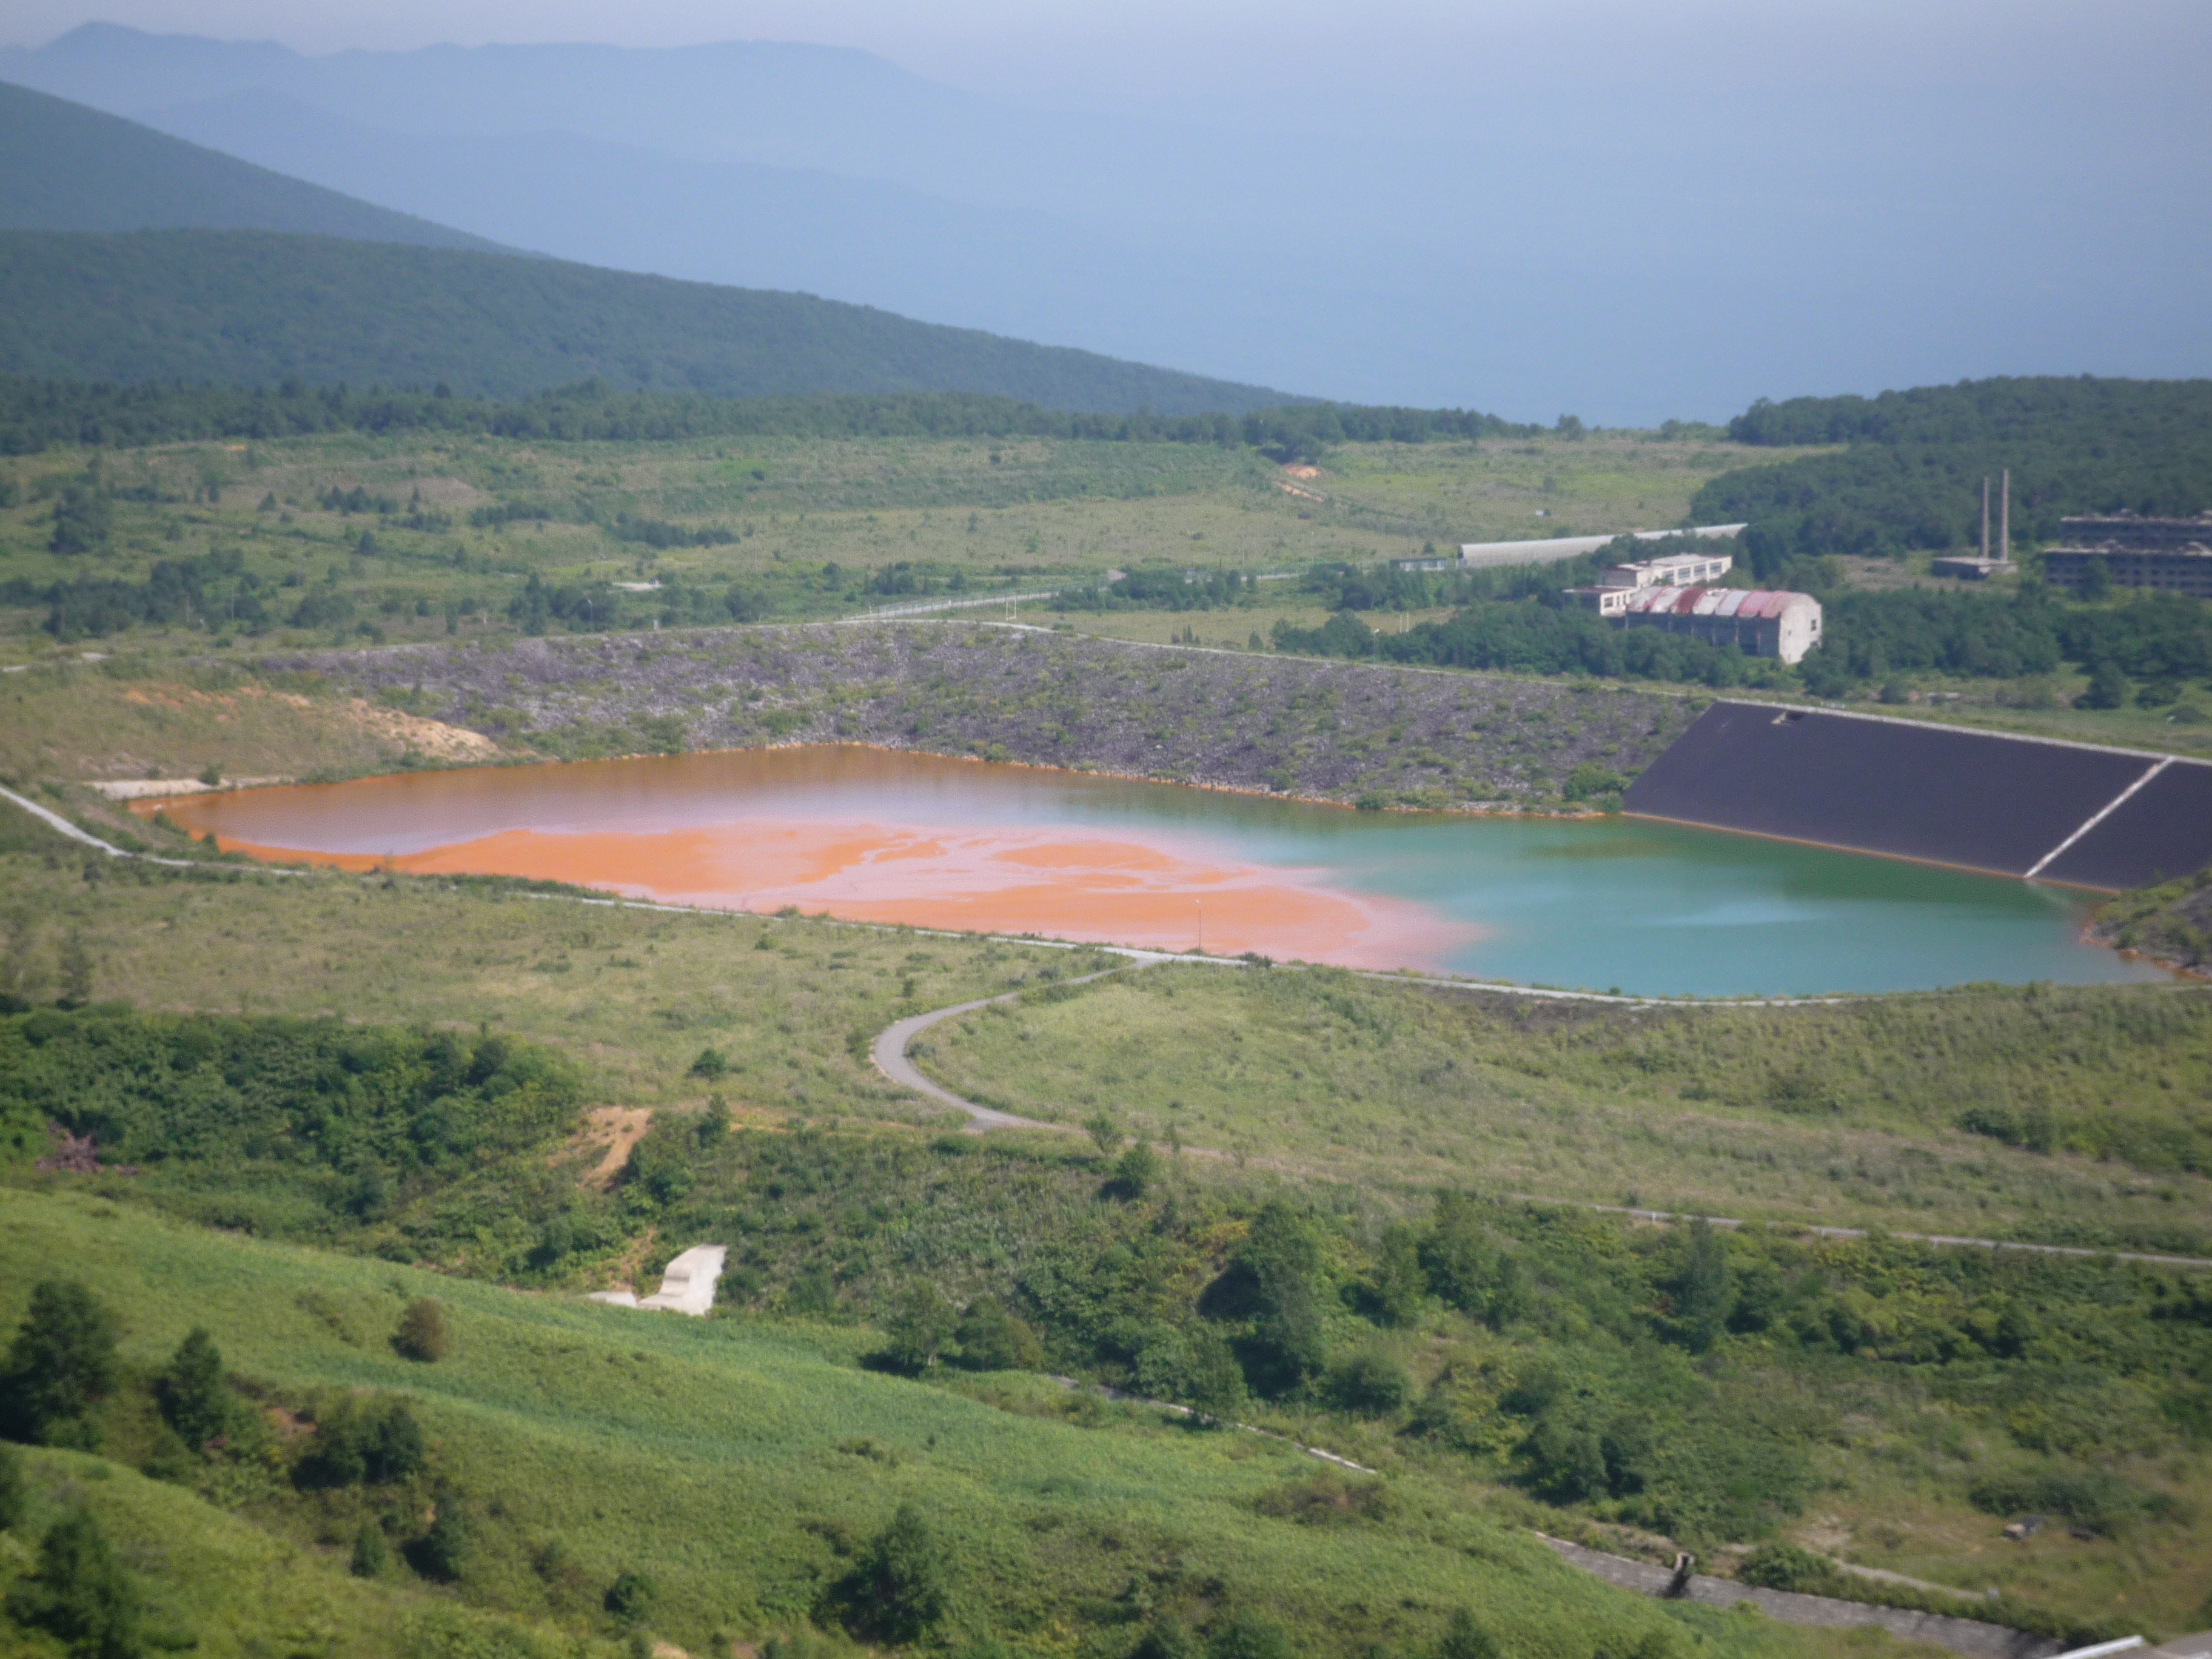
(1758, 622)
(2166, 556)
(1675, 570)
(1474, 554)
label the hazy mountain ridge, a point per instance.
(64, 167)
(252, 307)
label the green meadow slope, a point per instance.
(739, 1462)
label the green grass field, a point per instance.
(1013, 512)
(1845, 1115)
(738, 1461)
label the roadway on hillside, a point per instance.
(889, 1052)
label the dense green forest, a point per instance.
(43, 414)
(1910, 478)
(252, 307)
(65, 167)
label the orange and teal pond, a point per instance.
(870, 835)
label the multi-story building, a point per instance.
(2166, 556)
(1673, 570)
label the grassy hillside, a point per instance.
(64, 167)
(255, 307)
(742, 1464)
(1882, 1385)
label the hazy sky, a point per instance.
(1281, 53)
(1631, 209)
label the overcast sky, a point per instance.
(1632, 208)
(1274, 52)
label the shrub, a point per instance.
(369, 1554)
(362, 1443)
(1137, 1169)
(922, 1323)
(992, 1339)
(1370, 1384)
(13, 1499)
(82, 1596)
(194, 1398)
(899, 1589)
(443, 1551)
(61, 1364)
(2096, 1500)
(1464, 1638)
(1248, 1636)
(421, 1334)
(712, 1063)
(1167, 1638)
(632, 1597)
(1785, 1567)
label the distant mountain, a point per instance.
(253, 307)
(64, 167)
(868, 240)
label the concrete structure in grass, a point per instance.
(687, 1285)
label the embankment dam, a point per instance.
(2106, 819)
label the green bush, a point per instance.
(442, 1553)
(632, 1597)
(369, 1551)
(1248, 1636)
(1785, 1567)
(15, 1497)
(374, 1442)
(195, 1399)
(992, 1339)
(421, 1332)
(82, 1597)
(61, 1364)
(899, 1589)
(1369, 1383)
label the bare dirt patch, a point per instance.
(618, 1129)
(426, 737)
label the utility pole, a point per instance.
(2004, 519)
(1985, 516)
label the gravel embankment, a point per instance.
(1332, 731)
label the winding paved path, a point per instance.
(890, 1056)
(892, 1059)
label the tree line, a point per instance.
(1910, 476)
(43, 414)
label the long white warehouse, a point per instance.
(1570, 547)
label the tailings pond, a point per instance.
(872, 836)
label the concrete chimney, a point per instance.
(1985, 516)
(2004, 519)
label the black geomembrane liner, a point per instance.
(1909, 791)
(2162, 830)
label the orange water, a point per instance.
(859, 833)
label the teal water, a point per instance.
(1610, 903)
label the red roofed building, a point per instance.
(1758, 622)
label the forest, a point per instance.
(43, 414)
(1909, 477)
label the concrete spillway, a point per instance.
(2016, 806)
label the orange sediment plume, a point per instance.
(1069, 884)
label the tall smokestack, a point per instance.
(1985, 516)
(2004, 519)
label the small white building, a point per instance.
(1758, 622)
(1673, 570)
